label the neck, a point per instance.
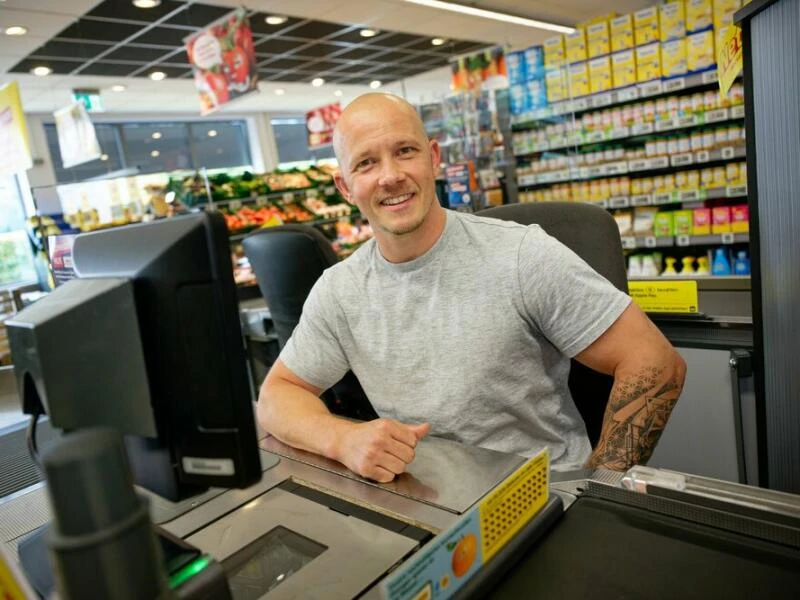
(407, 247)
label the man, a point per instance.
(459, 326)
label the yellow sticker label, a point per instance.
(12, 584)
(729, 57)
(665, 296)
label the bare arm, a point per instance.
(648, 379)
(290, 409)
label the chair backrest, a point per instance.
(592, 234)
(287, 261)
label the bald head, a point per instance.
(372, 106)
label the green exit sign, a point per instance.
(89, 98)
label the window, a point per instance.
(220, 144)
(16, 256)
(156, 147)
(292, 142)
(109, 162)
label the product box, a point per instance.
(623, 69)
(723, 12)
(534, 62)
(621, 30)
(515, 65)
(701, 221)
(579, 80)
(536, 94)
(672, 20)
(518, 98)
(598, 39)
(698, 15)
(664, 225)
(673, 58)
(554, 55)
(721, 219)
(682, 222)
(700, 51)
(556, 85)
(740, 218)
(576, 46)
(600, 74)
(648, 62)
(645, 26)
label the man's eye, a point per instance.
(407, 150)
(364, 163)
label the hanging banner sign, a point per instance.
(15, 148)
(729, 58)
(77, 140)
(320, 123)
(485, 70)
(224, 61)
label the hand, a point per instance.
(379, 449)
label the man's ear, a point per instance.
(436, 155)
(341, 185)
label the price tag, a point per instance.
(261, 202)
(650, 242)
(733, 191)
(312, 193)
(651, 89)
(662, 198)
(642, 200)
(627, 94)
(541, 146)
(628, 242)
(710, 76)
(713, 116)
(727, 238)
(675, 84)
(685, 121)
(235, 204)
(595, 136)
(728, 153)
(595, 171)
(288, 197)
(580, 104)
(639, 164)
(562, 175)
(690, 195)
(601, 100)
(665, 125)
(642, 129)
(737, 112)
(661, 162)
(330, 190)
(681, 160)
(618, 133)
(619, 202)
(603, 204)
(702, 156)
(682, 240)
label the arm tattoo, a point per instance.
(636, 414)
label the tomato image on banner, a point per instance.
(320, 123)
(223, 59)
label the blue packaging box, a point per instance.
(534, 63)
(518, 98)
(515, 64)
(536, 94)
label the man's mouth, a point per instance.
(395, 200)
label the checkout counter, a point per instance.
(312, 529)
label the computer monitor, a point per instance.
(147, 339)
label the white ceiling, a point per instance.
(44, 19)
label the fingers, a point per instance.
(420, 430)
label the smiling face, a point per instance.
(387, 169)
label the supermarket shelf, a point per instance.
(240, 236)
(606, 99)
(675, 197)
(710, 117)
(682, 241)
(288, 196)
(706, 282)
(638, 166)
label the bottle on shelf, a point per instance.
(741, 266)
(688, 266)
(702, 266)
(721, 264)
(634, 266)
(669, 270)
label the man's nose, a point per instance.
(390, 174)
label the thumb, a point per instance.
(420, 430)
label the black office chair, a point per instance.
(592, 234)
(287, 261)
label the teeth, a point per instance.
(396, 200)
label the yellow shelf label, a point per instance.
(665, 296)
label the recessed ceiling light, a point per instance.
(16, 30)
(41, 71)
(146, 3)
(438, 41)
(338, 93)
(280, 92)
(317, 82)
(368, 32)
(155, 153)
(375, 84)
(492, 14)
(104, 157)
(276, 20)
(158, 75)
(212, 133)
(118, 88)
(156, 135)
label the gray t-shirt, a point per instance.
(472, 337)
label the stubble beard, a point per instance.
(411, 227)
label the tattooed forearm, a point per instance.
(636, 414)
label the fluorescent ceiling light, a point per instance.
(146, 3)
(491, 14)
(155, 153)
(157, 75)
(280, 92)
(337, 93)
(41, 71)
(118, 88)
(156, 135)
(104, 157)
(212, 133)
(375, 84)
(16, 30)
(368, 33)
(275, 20)
(438, 41)
(317, 82)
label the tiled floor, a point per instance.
(10, 408)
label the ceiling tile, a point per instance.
(277, 46)
(198, 15)
(57, 50)
(163, 36)
(358, 53)
(284, 63)
(355, 37)
(399, 39)
(99, 30)
(293, 76)
(314, 30)
(60, 67)
(124, 9)
(112, 69)
(171, 71)
(260, 26)
(320, 50)
(141, 54)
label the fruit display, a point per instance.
(279, 182)
(327, 211)
(247, 218)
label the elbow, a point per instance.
(265, 407)
(679, 370)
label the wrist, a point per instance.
(338, 429)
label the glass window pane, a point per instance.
(156, 147)
(220, 144)
(292, 143)
(12, 213)
(107, 136)
(16, 259)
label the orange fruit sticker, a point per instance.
(464, 554)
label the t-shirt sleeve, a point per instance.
(313, 352)
(570, 303)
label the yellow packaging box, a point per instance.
(645, 26)
(554, 52)
(621, 30)
(579, 79)
(598, 39)
(698, 15)
(623, 69)
(600, 74)
(576, 46)
(673, 58)
(723, 12)
(700, 51)
(556, 85)
(648, 62)
(672, 21)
